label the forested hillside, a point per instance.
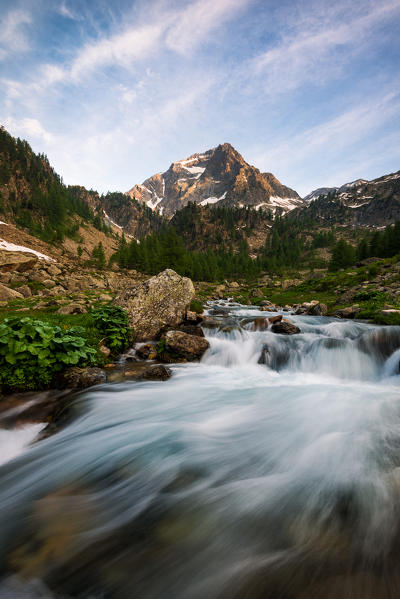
(34, 196)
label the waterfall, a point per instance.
(270, 469)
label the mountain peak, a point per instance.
(219, 175)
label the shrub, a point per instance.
(32, 352)
(113, 321)
(197, 306)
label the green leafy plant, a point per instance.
(32, 352)
(113, 321)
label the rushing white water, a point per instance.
(14, 442)
(232, 479)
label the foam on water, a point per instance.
(233, 478)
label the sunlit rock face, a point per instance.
(219, 176)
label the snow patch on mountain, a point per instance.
(12, 247)
(213, 200)
(110, 220)
(195, 169)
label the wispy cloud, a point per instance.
(327, 142)
(194, 24)
(29, 127)
(65, 11)
(115, 91)
(12, 32)
(313, 53)
(177, 30)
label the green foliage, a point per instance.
(343, 255)
(32, 352)
(197, 306)
(380, 244)
(370, 295)
(167, 250)
(42, 203)
(373, 270)
(283, 247)
(388, 319)
(113, 322)
(323, 239)
(98, 256)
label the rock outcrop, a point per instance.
(156, 304)
(16, 261)
(8, 294)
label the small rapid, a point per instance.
(269, 470)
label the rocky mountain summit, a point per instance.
(360, 203)
(220, 175)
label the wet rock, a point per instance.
(16, 261)
(72, 309)
(218, 311)
(259, 324)
(156, 304)
(147, 352)
(284, 327)
(154, 372)
(81, 378)
(211, 323)
(318, 310)
(349, 312)
(181, 347)
(380, 343)
(9, 294)
(193, 317)
(264, 357)
(192, 329)
(230, 329)
(274, 319)
(265, 303)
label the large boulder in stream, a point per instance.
(156, 304)
(181, 347)
(284, 327)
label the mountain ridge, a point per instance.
(219, 175)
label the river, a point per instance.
(233, 479)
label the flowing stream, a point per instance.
(233, 479)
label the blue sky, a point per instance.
(113, 92)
